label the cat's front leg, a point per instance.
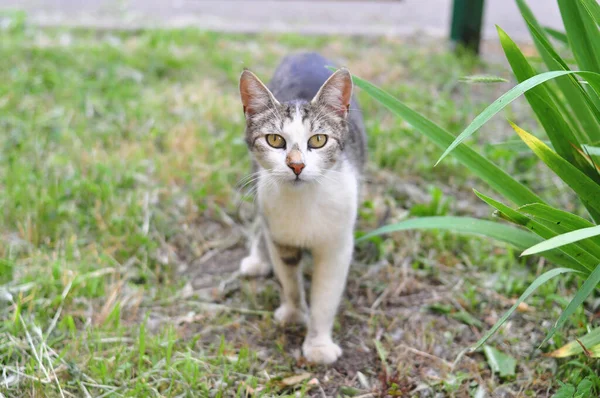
(328, 282)
(286, 264)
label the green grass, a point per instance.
(120, 157)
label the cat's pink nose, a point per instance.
(296, 167)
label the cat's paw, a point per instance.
(287, 314)
(254, 266)
(321, 351)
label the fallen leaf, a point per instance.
(296, 379)
(363, 380)
(500, 362)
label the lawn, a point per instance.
(123, 218)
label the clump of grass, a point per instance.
(569, 112)
(120, 154)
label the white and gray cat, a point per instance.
(307, 138)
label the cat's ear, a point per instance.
(256, 97)
(336, 92)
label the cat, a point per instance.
(307, 139)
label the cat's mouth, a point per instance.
(298, 181)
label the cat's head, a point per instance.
(297, 142)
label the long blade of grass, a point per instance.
(581, 38)
(562, 222)
(557, 34)
(592, 150)
(593, 9)
(587, 190)
(584, 291)
(562, 240)
(539, 281)
(554, 124)
(575, 347)
(586, 124)
(474, 226)
(500, 104)
(571, 256)
(495, 177)
(567, 220)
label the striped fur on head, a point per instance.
(297, 121)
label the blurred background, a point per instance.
(126, 202)
(354, 17)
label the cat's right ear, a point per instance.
(256, 97)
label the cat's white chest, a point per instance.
(310, 215)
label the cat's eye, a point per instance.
(317, 141)
(275, 140)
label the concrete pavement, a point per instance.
(400, 17)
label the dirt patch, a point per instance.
(404, 323)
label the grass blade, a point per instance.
(539, 281)
(500, 104)
(502, 232)
(587, 190)
(592, 150)
(589, 340)
(582, 33)
(558, 35)
(554, 124)
(593, 9)
(495, 177)
(482, 79)
(562, 240)
(586, 289)
(555, 216)
(587, 120)
(572, 256)
(562, 222)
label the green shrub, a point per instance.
(567, 105)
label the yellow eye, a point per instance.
(317, 141)
(275, 140)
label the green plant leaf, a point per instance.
(586, 289)
(541, 101)
(556, 216)
(491, 174)
(557, 34)
(587, 190)
(593, 9)
(474, 226)
(592, 150)
(482, 79)
(572, 256)
(583, 35)
(584, 388)
(573, 348)
(539, 281)
(500, 104)
(586, 124)
(515, 146)
(562, 222)
(564, 239)
(565, 391)
(499, 362)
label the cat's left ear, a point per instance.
(336, 92)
